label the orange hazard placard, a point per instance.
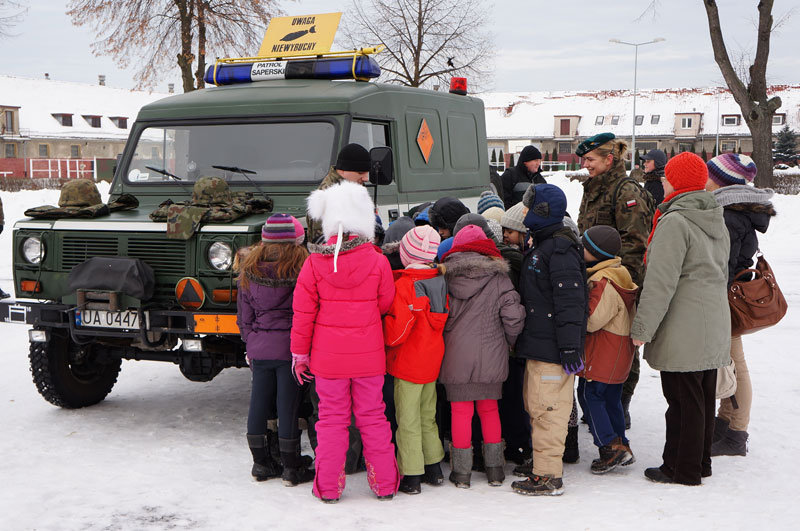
(189, 293)
(425, 140)
(206, 323)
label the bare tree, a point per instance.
(751, 95)
(11, 13)
(427, 41)
(158, 32)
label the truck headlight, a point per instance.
(32, 250)
(220, 256)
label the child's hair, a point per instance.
(288, 259)
(618, 148)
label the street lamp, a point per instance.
(635, 66)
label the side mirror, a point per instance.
(381, 170)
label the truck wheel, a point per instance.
(70, 375)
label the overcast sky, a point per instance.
(541, 45)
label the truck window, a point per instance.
(294, 152)
(369, 134)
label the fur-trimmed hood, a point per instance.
(467, 271)
(344, 206)
(391, 248)
(330, 247)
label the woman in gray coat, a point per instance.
(485, 318)
(683, 317)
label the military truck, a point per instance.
(276, 137)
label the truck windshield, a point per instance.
(286, 152)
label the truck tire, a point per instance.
(72, 376)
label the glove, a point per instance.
(571, 361)
(300, 369)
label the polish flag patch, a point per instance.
(631, 203)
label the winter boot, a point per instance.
(611, 456)
(460, 466)
(525, 470)
(626, 408)
(733, 443)
(517, 455)
(571, 451)
(264, 466)
(720, 428)
(433, 474)
(294, 473)
(411, 484)
(657, 475)
(494, 461)
(539, 486)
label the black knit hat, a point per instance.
(602, 241)
(529, 153)
(444, 213)
(353, 157)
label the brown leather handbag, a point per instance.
(757, 303)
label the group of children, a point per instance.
(451, 298)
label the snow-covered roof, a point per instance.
(39, 99)
(529, 115)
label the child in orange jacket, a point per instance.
(609, 350)
(412, 331)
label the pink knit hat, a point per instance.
(282, 228)
(419, 245)
(470, 233)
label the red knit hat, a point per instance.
(686, 172)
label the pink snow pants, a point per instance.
(364, 397)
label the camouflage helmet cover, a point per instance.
(211, 191)
(79, 193)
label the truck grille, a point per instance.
(77, 250)
(166, 257)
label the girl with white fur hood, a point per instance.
(337, 338)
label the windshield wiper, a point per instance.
(244, 173)
(173, 176)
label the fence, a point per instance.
(62, 168)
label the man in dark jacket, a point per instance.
(517, 178)
(654, 163)
(554, 291)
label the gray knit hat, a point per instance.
(470, 218)
(513, 218)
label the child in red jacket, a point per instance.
(412, 331)
(343, 289)
(609, 349)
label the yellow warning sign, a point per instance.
(301, 35)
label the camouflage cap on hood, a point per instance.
(211, 191)
(79, 193)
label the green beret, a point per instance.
(593, 142)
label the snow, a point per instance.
(39, 99)
(162, 452)
(526, 115)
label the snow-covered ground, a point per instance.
(162, 452)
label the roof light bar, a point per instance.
(359, 67)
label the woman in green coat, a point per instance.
(683, 317)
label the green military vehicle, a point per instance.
(142, 293)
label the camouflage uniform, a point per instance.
(80, 198)
(315, 225)
(631, 213)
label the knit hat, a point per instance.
(444, 248)
(731, 168)
(686, 172)
(657, 156)
(513, 218)
(489, 200)
(602, 241)
(398, 228)
(472, 239)
(422, 218)
(282, 228)
(445, 212)
(471, 218)
(353, 157)
(419, 245)
(546, 204)
(529, 153)
(469, 233)
(497, 230)
(494, 213)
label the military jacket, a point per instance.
(315, 225)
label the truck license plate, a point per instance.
(127, 319)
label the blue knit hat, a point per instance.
(444, 247)
(489, 200)
(546, 204)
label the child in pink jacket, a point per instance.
(343, 289)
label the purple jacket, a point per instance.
(264, 316)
